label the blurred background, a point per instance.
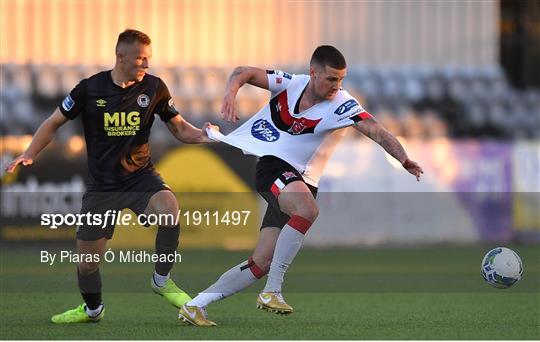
(457, 81)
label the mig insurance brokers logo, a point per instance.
(121, 123)
(124, 124)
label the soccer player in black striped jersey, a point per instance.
(117, 108)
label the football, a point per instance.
(502, 267)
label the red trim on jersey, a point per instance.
(275, 190)
(365, 115)
(288, 119)
(299, 223)
(284, 113)
(256, 270)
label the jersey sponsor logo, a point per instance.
(101, 103)
(143, 100)
(264, 131)
(68, 103)
(344, 108)
(284, 121)
(288, 175)
(121, 123)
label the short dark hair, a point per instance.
(129, 36)
(328, 55)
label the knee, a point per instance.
(163, 203)
(86, 268)
(309, 211)
(168, 206)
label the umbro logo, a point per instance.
(101, 103)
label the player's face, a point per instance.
(134, 60)
(327, 81)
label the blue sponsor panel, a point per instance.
(264, 131)
(345, 107)
(68, 103)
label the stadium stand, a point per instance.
(417, 102)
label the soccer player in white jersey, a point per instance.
(294, 135)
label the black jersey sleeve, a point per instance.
(74, 103)
(165, 107)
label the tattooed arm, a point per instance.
(376, 132)
(239, 77)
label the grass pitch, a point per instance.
(420, 293)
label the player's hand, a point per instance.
(228, 112)
(22, 159)
(207, 125)
(413, 168)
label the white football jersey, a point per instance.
(305, 140)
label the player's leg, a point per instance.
(244, 274)
(88, 272)
(234, 280)
(89, 281)
(298, 202)
(91, 239)
(164, 204)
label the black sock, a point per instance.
(166, 243)
(90, 287)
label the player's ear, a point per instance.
(311, 70)
(120, 52)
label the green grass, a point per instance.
(420, 293)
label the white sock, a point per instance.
(95, 312)
(288, 244)
(160, 280)
(234, 280)
(203, 299)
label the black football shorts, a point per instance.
(273, 174)
(134, 196)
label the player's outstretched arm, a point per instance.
(42, 137)
(240, 76)
(187, 133)
(376, 132)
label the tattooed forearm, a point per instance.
(391, 145)
(237, 79)
(237, 71)
(381, 136)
